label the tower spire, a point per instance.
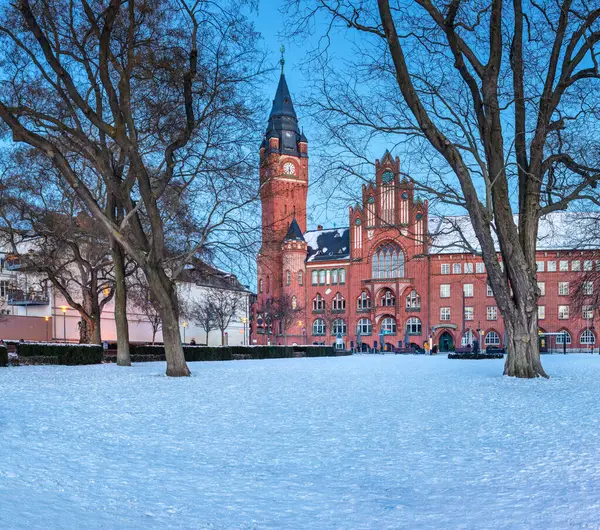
(282, 60)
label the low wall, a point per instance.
(14, 327)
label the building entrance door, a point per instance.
(446, 342)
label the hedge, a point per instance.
(3, 355)
(475, 356)
(70, 354)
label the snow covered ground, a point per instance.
(362, 442)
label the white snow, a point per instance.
(362, 442)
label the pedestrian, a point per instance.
(193, 342)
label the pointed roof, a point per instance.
(387, 156)
(282, 104)
(294, 233)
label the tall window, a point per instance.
(342, 275)
(541, 312)
(587, 337)
(444, 313)
(338, 303)
(563, 288)
(588, 288)
(445, 290)
(551, 266)
(468, 290)
(413, 326)
(300, 277)
(388, 262)
(563, 265)
(489, 291)
(492, 313)
(364, 301)
(563, 312)
(260, 286)
(576, 265)
(288, 277)
(334, 276)
(339, 327)
(388, 299)
(319, 327)
(321, 277)
(469, 312)
(445, 268)
(413, 300)
(388, 325)
(542, 288)
(294, 302)
(364, 326)
(492, 339)
(456, 268)
(587, 312)
(4, 288)
(468, 268)
(479, 268)
(315, 277)
(318, 303)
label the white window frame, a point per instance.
(444, 314)
(491, 313)
(563, 312)
(563, 288)
(445, 290)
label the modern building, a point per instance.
(395, 275)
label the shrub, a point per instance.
(3, 355)
(316, 351)
(475, 356)
(70, 354)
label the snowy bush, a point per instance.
(70, 354)
(3, 355)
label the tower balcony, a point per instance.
(19, 298)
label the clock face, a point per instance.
(404, 195)
(289, 168)
(387, 176)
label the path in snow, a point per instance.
(362, 442)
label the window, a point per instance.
(388, 262)
(319, 327)
(300, 277)
(564, 338)
(479, 268)
(327, 276)
(563, 288)
(318, 303)
(489, 291)
(551, 266)
(468, 290)
(456, 268)
(563, 312)
(260, 286)
(288, 278)
(469, 312)
(388, 299)
(588, 288)
(364, 301)
(468, 268)
(587, 265)
(541, 312)
(445, 290)
(413, 300)
(413, 326)
(388, 325)
(321, 277)
(492, 313)
(445, 268)
(563, 265)
(542, 288)
(334, 276)
(444, 314)
(539, 266)
(294, 302)
(4, 288)
(492, 339)
(587, 312)
(338, 303)
(315, 277)
(587, 337)
(339, 327)
(468, 338)
(342, 273)
(576, 265)
(364, 327)
(598, 264)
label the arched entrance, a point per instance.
(446, 342)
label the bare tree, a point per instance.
(285, 311)
(499, 102)
(140, 297)
(154, 99)
(202, 313)
(225, 305)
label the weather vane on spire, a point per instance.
(282, 60)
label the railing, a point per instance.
(28, 299)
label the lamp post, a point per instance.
(244, 320)
(185, 324)
(64, 312)
(47, 319)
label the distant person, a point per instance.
(193, 342)
(105, 346)
(475, 346)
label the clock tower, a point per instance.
(283, 189)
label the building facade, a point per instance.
(394, 276)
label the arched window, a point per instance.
(388, 262)
(315, 277)
(492, 339)
(387, 298)
(260, 285)
(468, 338)
(364, 327)
(300, 277)
(413, 326)
(587, 337)
(319, 327)
(564, 338)
(338, 303)
(339, 327)
(413, 300)
(364, 301)
(334, 276)
(294, 302)
(288, 278)
(342, 275)
(321, 277)
(318, 303)
(388, 325)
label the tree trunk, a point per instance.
(222, 337)
(123, 355)
(84, 331)
(165, 295)
(153, 336)
(522, 347)
(207, 332)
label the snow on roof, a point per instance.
(557, 231)
(329, 244)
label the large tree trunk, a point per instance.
(89, 329)
(522, 347)
(165, 295)
(207, 332)
(123, 355)
(222, 337)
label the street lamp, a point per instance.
(47, 319)
(185, 324)
(244, 320)
(64, 312)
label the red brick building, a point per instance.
(395, 275)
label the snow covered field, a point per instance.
(362, 442)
